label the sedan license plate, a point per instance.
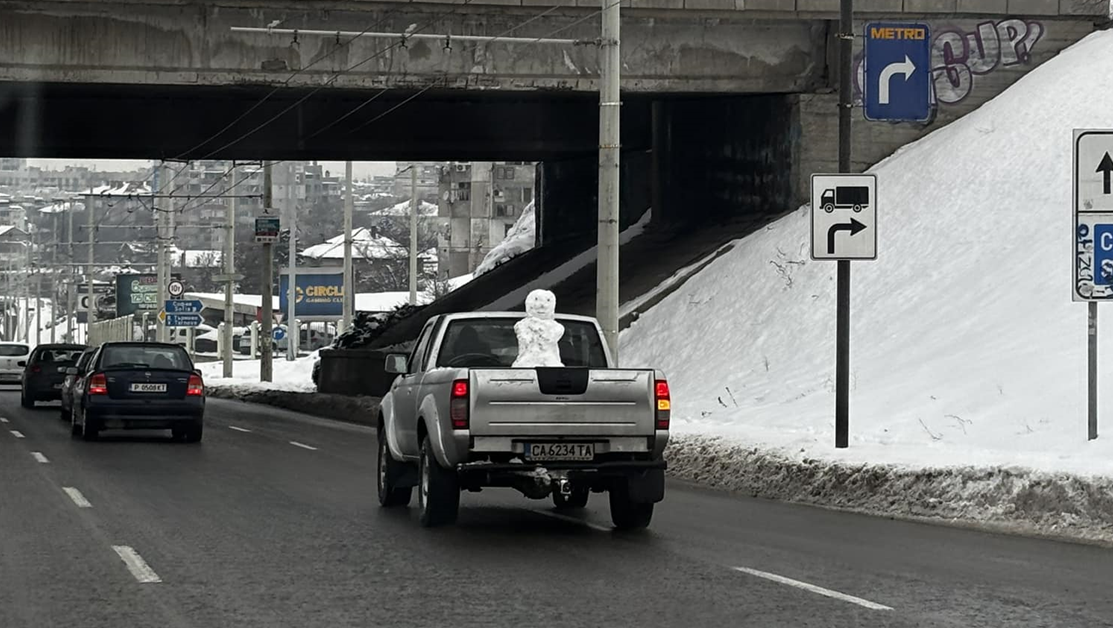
(148, 388)
(560, 451)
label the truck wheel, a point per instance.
(828, 208)
(857, 208)
(439, 494)
(626, 514)
(388, 471)
(578, 498)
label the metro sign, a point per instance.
(898, 72)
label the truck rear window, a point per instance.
(492, 342)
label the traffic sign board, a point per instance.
(897, 71)
(267, 229)
(278, 333)
(175, 288)
(184, 306)
(1093, 215)
(844, 216)
(184, 320)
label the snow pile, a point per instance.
(288, 376)
(518, 240)
(966, 348)
(366, 327)
(564, 271)
(424, 208)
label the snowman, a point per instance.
(538, 333)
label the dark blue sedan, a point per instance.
(139, 385)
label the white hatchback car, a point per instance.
(13, 357)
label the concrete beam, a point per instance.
(192, 44)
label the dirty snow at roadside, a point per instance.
(518, 240)
(966, 347)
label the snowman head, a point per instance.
(541, 304)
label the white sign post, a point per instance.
(1093, 241)
(844, 228)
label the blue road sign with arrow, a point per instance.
(184, 320)
(184, 306)
(278, 333)
(898, 71)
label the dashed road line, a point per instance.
(17, 433)
(239, 429)
(3, 420)
(814, 589)
(303, 445)
(136, 565)
(38, 456)
(77, 497)
(555, 515)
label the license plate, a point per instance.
(560, 451)
(148, 388)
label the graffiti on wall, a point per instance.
(958, 57)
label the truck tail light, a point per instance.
(458, 405)
(664, 404)
(98, 385)
(195, 387)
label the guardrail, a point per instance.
(119, 329)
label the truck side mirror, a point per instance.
(396, 363)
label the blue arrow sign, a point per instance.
(278, 333)
(184, 320)
(184, 306)
(898, 71)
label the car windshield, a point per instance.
(13, 350)
(492, 342)
(145, 357)
(60, 356)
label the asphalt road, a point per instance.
(248, 529)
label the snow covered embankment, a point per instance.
(968, 383)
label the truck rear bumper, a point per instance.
(578, 467)
(642, 480)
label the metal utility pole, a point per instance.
(610, 103)
(229, 271)
(54, 281)
(29, 247)
(349, 279)
(842, 287)
(91, 313)
(413, 233)
(160, 272)
(292, 331)
(71, 285)
(266, 355)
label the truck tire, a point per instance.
(578, 498)
(439, 492)
(388, 471)
(626, 514)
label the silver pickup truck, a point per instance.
(459, 417)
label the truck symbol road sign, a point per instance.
(851, 232)
(897, 71)
(854, 197)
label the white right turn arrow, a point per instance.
(906, 68)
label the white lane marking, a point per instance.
(38, 456)
(556, 515)
(238, 429)
(136, 565)
(16, 433)
(3, 420)
(814, 589)
(77, 497)
(303, 446)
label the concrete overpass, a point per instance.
(728, 107)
